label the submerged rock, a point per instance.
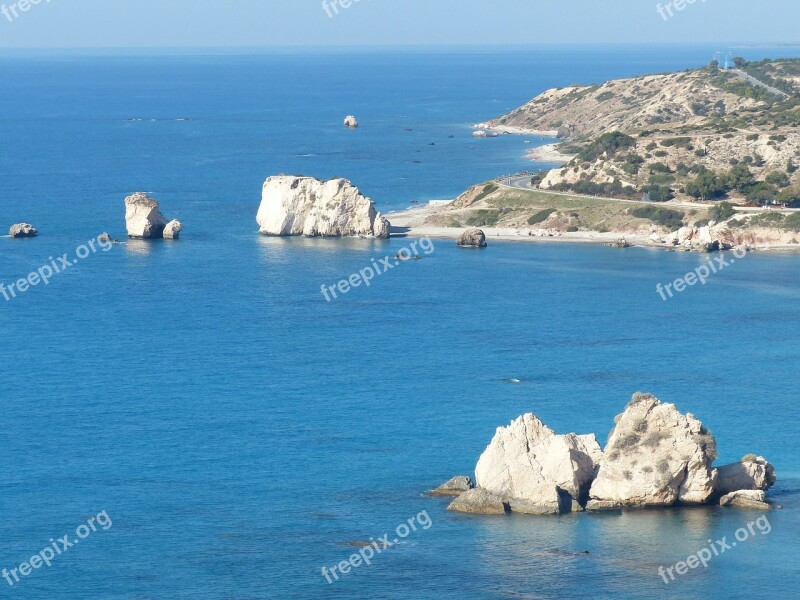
(755, 499)
(655, 456)
(480, 502)
(529, 463)
(455, 487)
(143, 218)
(307, 206)
(751, 473)
(472, 238)
(23, 230)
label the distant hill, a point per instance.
(707, 134)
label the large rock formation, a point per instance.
(751, 473)
(472, 238)
(310, 207)
(655, 456)
(23, 230)
(527, 464)
(143, 218)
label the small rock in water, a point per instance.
(455, 487)
(23, 230)
(472, 238)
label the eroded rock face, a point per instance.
(307, 206)
(23, 230)
(455, 487)
(472, 238)
(172, 230)
(528, 462)
(751, 473)
(350, 122)
(754, 499)
(143, 218)
(479, 502)
(655, 456)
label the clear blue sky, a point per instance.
(225, 23)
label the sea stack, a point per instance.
(23, 230)
(472, 238)
(144, 220)
(655, 457)
(313, 208)
(351, 122)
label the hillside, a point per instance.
(705, 134)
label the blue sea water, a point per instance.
(242, 433)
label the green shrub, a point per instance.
(792, 222)
(672, 219)
(483, 218)
(487, 189)
(541, 216)
(609, 143)
(722, 212)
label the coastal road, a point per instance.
(750, 79)
(523, 182)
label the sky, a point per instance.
(265, 23)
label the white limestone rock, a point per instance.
(350, 122)
(479, 502)
(143, 218)
(752, 499)
(751, 473)
(172, 230)
(655, 456)
(310, 207)
(527, 463)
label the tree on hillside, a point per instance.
(707, 186)
(739, 62)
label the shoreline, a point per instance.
(508, 129)
(410, 223)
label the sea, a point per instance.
(193, 419)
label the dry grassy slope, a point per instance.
(629, 105)
(686, 104)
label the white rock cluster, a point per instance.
(144, 220)
(655, 457)
(307, 206)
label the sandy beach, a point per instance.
(515, 130)
(411, 223)
(548, 153)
